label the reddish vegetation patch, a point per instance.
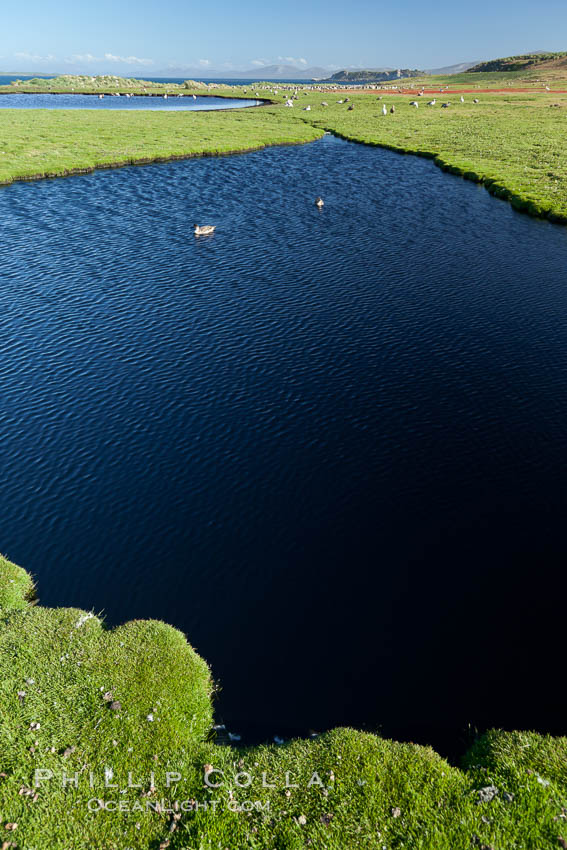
(437, 90)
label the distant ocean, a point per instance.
(226, 81)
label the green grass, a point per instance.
(490, 80)
(137, 700)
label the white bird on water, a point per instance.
(319, 202)
(204, 230)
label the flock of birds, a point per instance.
(434, 101)
(130, 94)
(414, 103)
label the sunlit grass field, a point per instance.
(104, 744)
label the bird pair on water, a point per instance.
(207, 229)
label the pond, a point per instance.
(326, 444)
(89, 101)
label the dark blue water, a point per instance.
(89, 101)
(329, 446)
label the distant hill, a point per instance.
(262, 72)
(520, 63)
(372, 76)
(459, 68)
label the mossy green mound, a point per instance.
(103, 745)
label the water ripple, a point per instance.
(327, 445)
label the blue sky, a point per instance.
(223, 35)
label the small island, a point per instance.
(369, 76)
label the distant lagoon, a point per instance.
(45, 100)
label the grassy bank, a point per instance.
(53, 142)
(105, 716)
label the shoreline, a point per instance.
(495, 188)
(73, 172)
(190, 93)
(115, 702)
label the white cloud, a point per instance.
(292, 60)
(128, 60)
(82, 58)
(34, 57)
(204, 63)
(260, 62)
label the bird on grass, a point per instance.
(476, 100)
(392, 109)
(204, 230)
(462, 99)
(414, 103)
(384, 110)
(432, 102)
